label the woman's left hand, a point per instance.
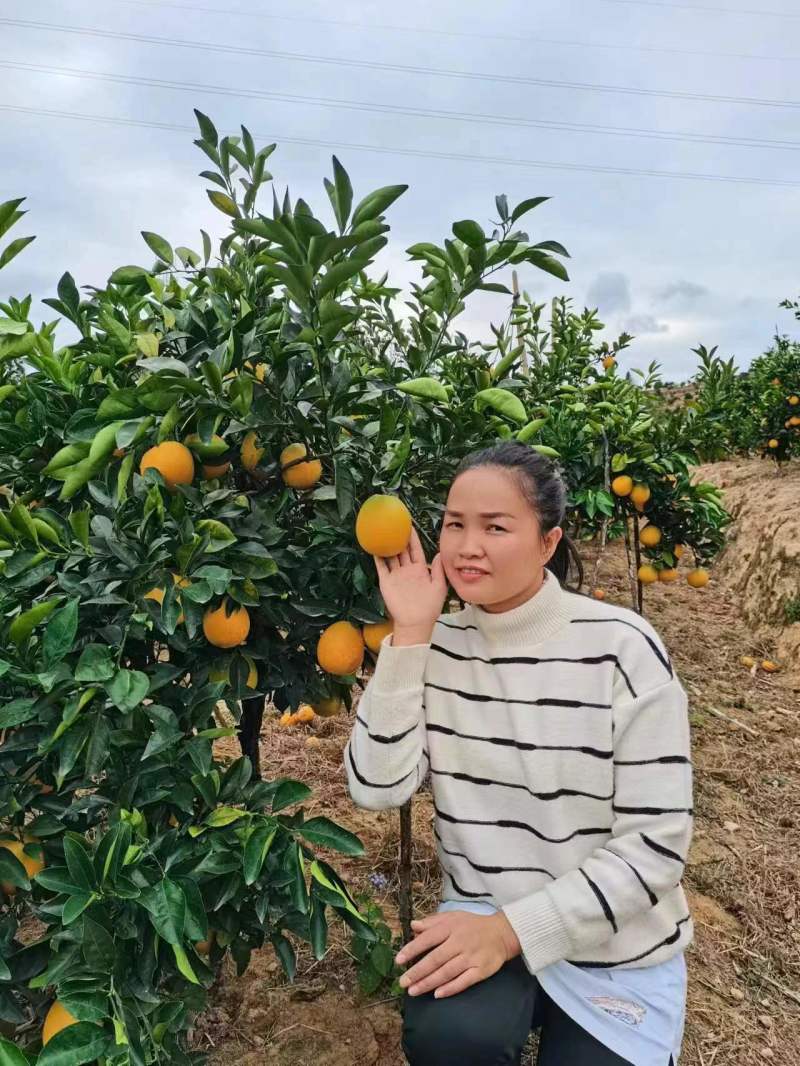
(463, 948)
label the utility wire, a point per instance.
(417, 153)
(429, 31)
(364, 64)
(393, 109)
(713, 10)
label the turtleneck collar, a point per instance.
(531, 622)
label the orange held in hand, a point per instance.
(172, 460)
(383, 526)
(226, 630)
(340, 649)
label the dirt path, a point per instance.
(743, 873)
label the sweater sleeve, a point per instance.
(384, 758)
(645, 855)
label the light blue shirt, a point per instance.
(637, 1012)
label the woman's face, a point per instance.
(491, 543)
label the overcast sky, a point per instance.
(676, 262)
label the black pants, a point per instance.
(489, 1023)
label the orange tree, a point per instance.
(180, 487)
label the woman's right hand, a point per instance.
(414, 594)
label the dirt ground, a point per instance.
(743, 875)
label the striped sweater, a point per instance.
(556, 737)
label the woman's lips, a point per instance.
(471, 576)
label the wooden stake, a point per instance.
(631, 568)
(406, 843)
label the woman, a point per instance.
(556, 736)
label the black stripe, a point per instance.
(650, 893)
(508, 823)
(653, 810)
(508, 784)
(520, 744)
(494, 869)
(373, 784)
(601, 899)
(384, 740)
(476, 697)
(661, 849)
(681, 759)
(462, 891)
(662, 657)
(460, 629)
(626, 962)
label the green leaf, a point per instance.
(128, 688)
(525, 206)
(14, 249)
(11, 1055)
(288, 793)
(97, 946)
(75, 906)
(328, 834)
(78, 863)
(12, 870)
(60, 633)
(207, 129)
(127, 275)
(543, 449)
(375, 203)
(17, 712)
(345, 488)
(341, 196)
(504, 402)
(548, 265)
(166, 905)
(58, 879)
(470, 233)
(222, 816)
(220, 535)
(183, 964)
(75, 1045)
(147, 343)
(95, 663)
(162, 248)
(223, 202)
(286, 953)
(424, 389)
(256, 850)
(22, 626)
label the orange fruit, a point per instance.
(221, 674)
(647, 574)
(340, 649)
(313, 742)
(210, 472)
(305, 713)
(748, 661)
(383, 525)
(640, 494)
(650, 536)
(33, 864)
(328, 707)
(773, 443)
(286, 719)
(794, 400)
(251, 452)
(301, 475)
(794, 420)
(56, 1019)
(374, 632)
(678, 550)
(622, 485)
(226, 630)
(668, 575)
(599, 594)
(608, 362)
(698, 579)
(157, 594)
(769, 666)
(172, 460)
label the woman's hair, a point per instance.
(541, 483)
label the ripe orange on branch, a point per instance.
(640, 494)
(650, 536)
(374, 632)
(301, 475)
(647, 574)
(226, 630)
(210, 472)
(328, 707)
(668, 575)
(383, 525)
(172, 460)
(251, 452)
(622, 485)
(340, 649)
(56, 1019)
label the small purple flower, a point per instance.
(378, 882)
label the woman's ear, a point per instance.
(551, 541)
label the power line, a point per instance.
(713, 10)
(416, 153)
(364, 64)
(473, 34)
(392, 109)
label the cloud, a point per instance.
(682, 294)
(638, 324)
(609, 292)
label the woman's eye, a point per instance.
(501, 528)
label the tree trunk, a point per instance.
(250, 731)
